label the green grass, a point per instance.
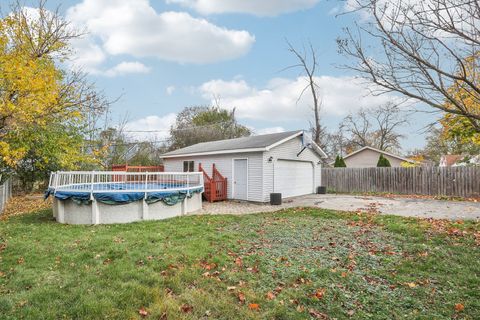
(201, 267)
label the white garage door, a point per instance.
(293, 178)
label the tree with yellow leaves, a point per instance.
(457, 126)
(43, 107)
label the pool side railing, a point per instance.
(116, 181)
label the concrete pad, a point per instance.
(401, 206)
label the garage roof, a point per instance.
(244, 144)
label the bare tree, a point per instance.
(422, 51)
(307, 61)
(375, 127)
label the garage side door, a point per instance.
(293, 178)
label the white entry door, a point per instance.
(293, 178)
(240, 179)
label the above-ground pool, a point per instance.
(122, 197)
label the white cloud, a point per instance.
(124, 68)
(277, 101)
(150, 127)
(269, 130)
(236, 88)
(135, 28)
(255, 7)
(87, 55)
(170, 90)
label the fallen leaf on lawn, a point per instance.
(316, 314)
(208, 266)
(344, 274)
(241, 297)
(186, 308)
(270, 295)
(107, 261)
(254, 269)
(351, 312)
(319, 293)
(20, 260)
(238, 261)
(411, 284)
(254, 306)
(231, 288)
(118, 240)
(25, 204)
(300, 308)
(459, 307)
(143, 312)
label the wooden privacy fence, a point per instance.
(436, 181)
(127, 168)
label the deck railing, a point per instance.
(116, 181)
(215, 186)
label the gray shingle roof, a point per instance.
(252, 142)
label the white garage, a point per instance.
(293, 178)
(254, 167)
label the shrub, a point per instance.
(383, 162)
(340, 162)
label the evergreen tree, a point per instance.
(383, 162)
(340, 162)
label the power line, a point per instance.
(180, 129)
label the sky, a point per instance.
(159, 56)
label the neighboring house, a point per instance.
(449, 160)
(458, 160)
(256, 166)
(368, 157)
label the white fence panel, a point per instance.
(5, 194)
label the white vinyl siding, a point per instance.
(260, 170)
(369, 158)
(224, 164)
(288, 151)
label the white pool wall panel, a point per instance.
(70, 212)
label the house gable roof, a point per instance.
(380, 152)
(258, 143)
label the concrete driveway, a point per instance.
(407, 207)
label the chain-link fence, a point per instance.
(5, 193)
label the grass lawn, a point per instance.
(295, 264)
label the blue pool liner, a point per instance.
(101, 194)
